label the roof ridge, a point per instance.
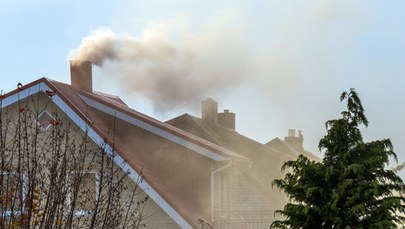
(111, 97)
(218, 149)
(193, 118)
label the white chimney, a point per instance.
(209, 111)
(295, 141)
(291, 132)
(81, 75)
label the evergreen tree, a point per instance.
(350, 188)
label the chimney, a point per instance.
(295, 141)
(227, 119)
(81, 75)
(209, 111)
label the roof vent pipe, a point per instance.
(81, 75)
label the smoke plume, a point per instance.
(171, 70)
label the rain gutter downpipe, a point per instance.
(213, 184)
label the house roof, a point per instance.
(266, 161)
(284, 146)
(130, 134)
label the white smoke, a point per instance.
(170, 72)
(302, 55)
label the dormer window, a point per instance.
(45, 120)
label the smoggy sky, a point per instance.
(276, 64)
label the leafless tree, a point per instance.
(52, 175)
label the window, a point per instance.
(83, 192)
(12, 193)
(44, 120)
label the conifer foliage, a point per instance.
(350, 188)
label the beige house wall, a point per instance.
(239, 202)
(153, 215)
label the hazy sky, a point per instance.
(276, 64)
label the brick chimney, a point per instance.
(209, 111)
(81, 75)
(295, 141)
(227, 119)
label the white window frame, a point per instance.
(8, 213)
(81, 212)
(43, 128)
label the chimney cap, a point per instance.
(210, 99)
(79, 61)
